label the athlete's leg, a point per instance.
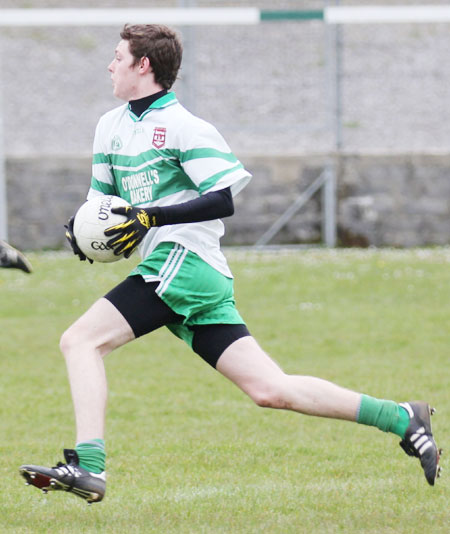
(101, 329)
(130, 310)
(252, 370)
(96, 333)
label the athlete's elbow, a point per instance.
(229, 211)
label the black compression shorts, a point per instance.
(144, 311)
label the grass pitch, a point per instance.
(187, 451)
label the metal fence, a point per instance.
(268, 87)
(279, 87)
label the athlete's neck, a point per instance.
(142, 104)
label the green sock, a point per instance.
(92, 455)
(386, 415)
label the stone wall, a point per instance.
(397, 200)
(383, 200)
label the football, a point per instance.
(91, 220)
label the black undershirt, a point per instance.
(214, 205)
(142, 104)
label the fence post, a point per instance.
(3, 203)
(329, 207)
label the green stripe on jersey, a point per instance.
(155, 174)
(106, 189)
(152, 182)
(100, 158)
(197, 153)
(210, 182)
(119, 160)
(149, 156)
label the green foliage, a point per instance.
(187, 451)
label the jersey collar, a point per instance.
(165, 101)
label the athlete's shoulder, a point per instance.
(191, 124)
(114, 114)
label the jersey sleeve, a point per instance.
(208, 161)
(102, 181)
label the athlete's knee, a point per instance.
(74, 340)
(69, 341)
(269, 394)
(263, 398)
(77, 338)
(65, 342)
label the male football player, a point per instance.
(180, 177)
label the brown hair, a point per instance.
(160, 44)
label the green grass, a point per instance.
(187, 451)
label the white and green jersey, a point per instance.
(164, 157)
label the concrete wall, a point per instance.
(383, 200)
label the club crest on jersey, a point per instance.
(159, 137)
(116, 143)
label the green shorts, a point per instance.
(190, 287)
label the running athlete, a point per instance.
(12, 258)
(180, 178)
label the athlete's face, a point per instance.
(124, 75)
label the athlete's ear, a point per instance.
(144, 65)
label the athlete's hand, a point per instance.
(128, 234)
(73, 242)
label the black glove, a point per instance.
(128, 234)
(73, 242)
